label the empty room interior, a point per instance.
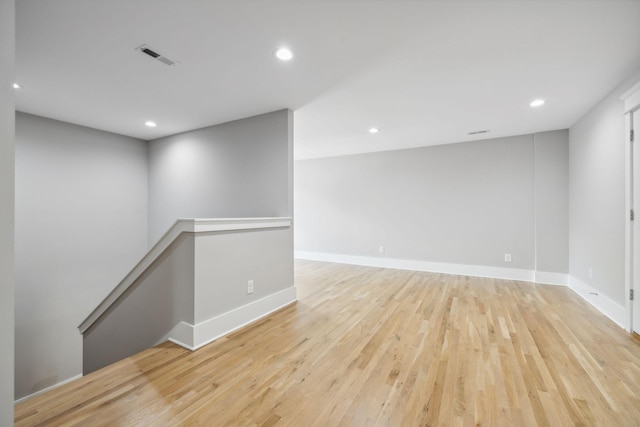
(331, 213)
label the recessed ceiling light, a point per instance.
(284, 54)
(17, 86)
(374, 130)
(537, 103)
(150, 124)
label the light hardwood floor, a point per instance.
(370, 346)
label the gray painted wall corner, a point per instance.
(551, 200)
(75, 182)
(239, 169)
(80, 226)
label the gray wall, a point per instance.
(467, 203)
(82, 199)
(551, 199)
(236, 169)
(143, 315)
(81, 221)
(200, 276)
(226, 261)
(7, 46)
(597, 195)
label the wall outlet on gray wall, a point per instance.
(250, 287)
(507, 257)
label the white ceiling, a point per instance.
(424, 72)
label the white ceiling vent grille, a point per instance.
(152, 53)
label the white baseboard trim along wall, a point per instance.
(51, 387)
(545, 278)
(193, 337)
(549, 278)
(602, 303)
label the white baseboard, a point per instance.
(549, 278)
(602, 303)
(181, 334)
(51, 387)
(440, 267)
(193, 337)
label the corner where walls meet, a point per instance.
(90, 203)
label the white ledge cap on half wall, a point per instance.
(182, 225)
(199, 225)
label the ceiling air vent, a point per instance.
(478, 132)
(155, 55)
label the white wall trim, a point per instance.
(51, 387)
(614, 311)
(601, 302)
(439, 267)
(183, 225)
(541, 277)
(181, 334)
(193, 337)
(550, 278)
(631, 98)
(628, 206)
(203, 225)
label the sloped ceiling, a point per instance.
(423, 72)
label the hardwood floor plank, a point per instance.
(371, 346)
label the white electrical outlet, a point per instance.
(381, 249)
(250, 287)
(507, 257)
(590, 273)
